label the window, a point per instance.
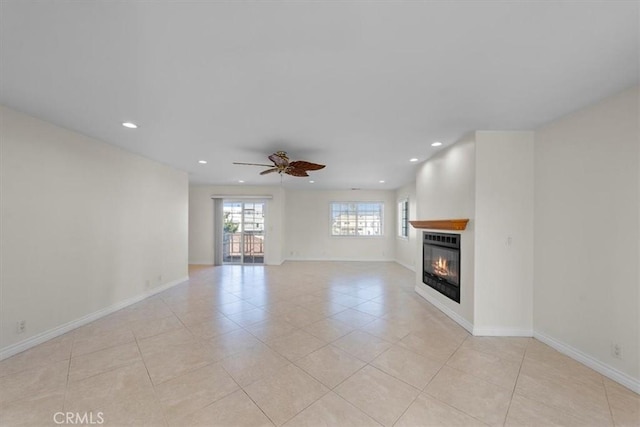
(403, 218)
(356, 218)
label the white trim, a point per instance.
(446, 310)
(598, 366)
(358, 236)
(407, 266)
(241, 196)
(62, 329)
(399, 212)
(501, 332)
(342, 259)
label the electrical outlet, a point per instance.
(616, 350)
(21, 326)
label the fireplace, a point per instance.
(441, 263)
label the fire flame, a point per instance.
(440, 267)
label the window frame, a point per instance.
(402, 231)
(357, 204)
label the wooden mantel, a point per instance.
(441, 224)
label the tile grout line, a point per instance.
(562, 410)
(240, 388)
(66, 385)
(310, 404)
(246, 393)
(209, 282)
(429, 382)
(515, 384)
(463, 372)
(113, 368)
(153, 386)
(198, 339)
(606, 394)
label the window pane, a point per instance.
(403, 218)
(356, 219)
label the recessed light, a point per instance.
(130, 125)
(241, 181)
(413, 160)
(436, 144)
(202, 162)
(381, 181)
(311, 182)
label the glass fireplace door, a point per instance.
(443, 263)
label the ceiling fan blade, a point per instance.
(295, 171)
(281, 165)
(279, 159)
(269, 171)
(308, 166)
(252, 164)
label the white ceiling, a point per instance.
(360, 86)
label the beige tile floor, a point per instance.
(302, 344)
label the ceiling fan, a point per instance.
(281, 164)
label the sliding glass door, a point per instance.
(243, 232)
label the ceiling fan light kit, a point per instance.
(282, 165)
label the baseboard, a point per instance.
(606, 370)
(501, 332)
(340, 259)
(69, 326)
(407, 266)
(446, 310)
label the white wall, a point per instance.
(307, 227)
(406, 248)
(201, 229)
(504, 234)
(586, 280)
(445, 188)
(297, 226)
(200, 226)
(83, 226)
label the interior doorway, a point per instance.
(243, 237)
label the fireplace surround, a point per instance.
(441, 263)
